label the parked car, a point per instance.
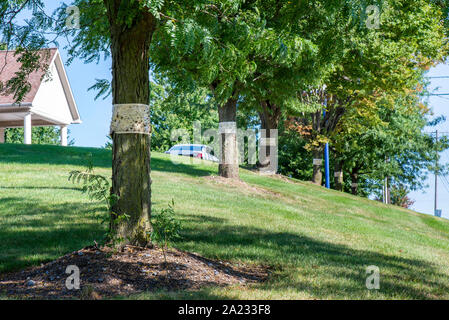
(200, 151)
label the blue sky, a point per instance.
(96, 116)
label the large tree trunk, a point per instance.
(131, 182)
(269, 120)
(229, 156)
(338, 175)
(317, 165)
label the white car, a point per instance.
(199, 151)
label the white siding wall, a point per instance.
(50, 99)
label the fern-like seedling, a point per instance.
(94, 185)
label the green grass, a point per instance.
(319, 242)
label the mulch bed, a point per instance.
(104, 273)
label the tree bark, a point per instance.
(269, 120)
(354, 182)
(317, 165)
(338, 175)
(229, 157)
(131, 182)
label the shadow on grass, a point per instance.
(34, 232)
(38, 232)
(166, 165)
(54, 155)
(319, 268)
(42, 188)
(202, 218)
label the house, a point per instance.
(49, 102)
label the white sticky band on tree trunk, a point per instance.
(268, 142)
(337, 174)
(227, 127)
(131, 118)
(317, 162)
(354, 185)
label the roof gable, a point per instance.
(9, 66)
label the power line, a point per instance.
(445, 183)
(444, 179)
(439, 133)
(442, 98)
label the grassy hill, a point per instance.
(318, 242)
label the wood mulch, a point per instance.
(105, 272)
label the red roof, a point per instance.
(9, 66)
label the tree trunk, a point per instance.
(317, 165)
(338, 175)
(131, 182)
(269, 120)
(229, 157)
(354, 182)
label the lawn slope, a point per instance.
(318, 242)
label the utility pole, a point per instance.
(436, 176)
(386, 187)
(326, 156)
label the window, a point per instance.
(175, 148)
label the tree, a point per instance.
(310, 50)
(410, 38)
(217, 59)
(255, 56)
(222, 37)
(395, 147)
(172, 110)
(207, 48)
(122, 29)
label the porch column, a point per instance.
(64, 136)
(2, 135)
(27, 129)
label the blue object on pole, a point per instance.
(326, 165)
(326, 160)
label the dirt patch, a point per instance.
(274, 176)
(106, 273)
(242, 186)
(283, 178)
